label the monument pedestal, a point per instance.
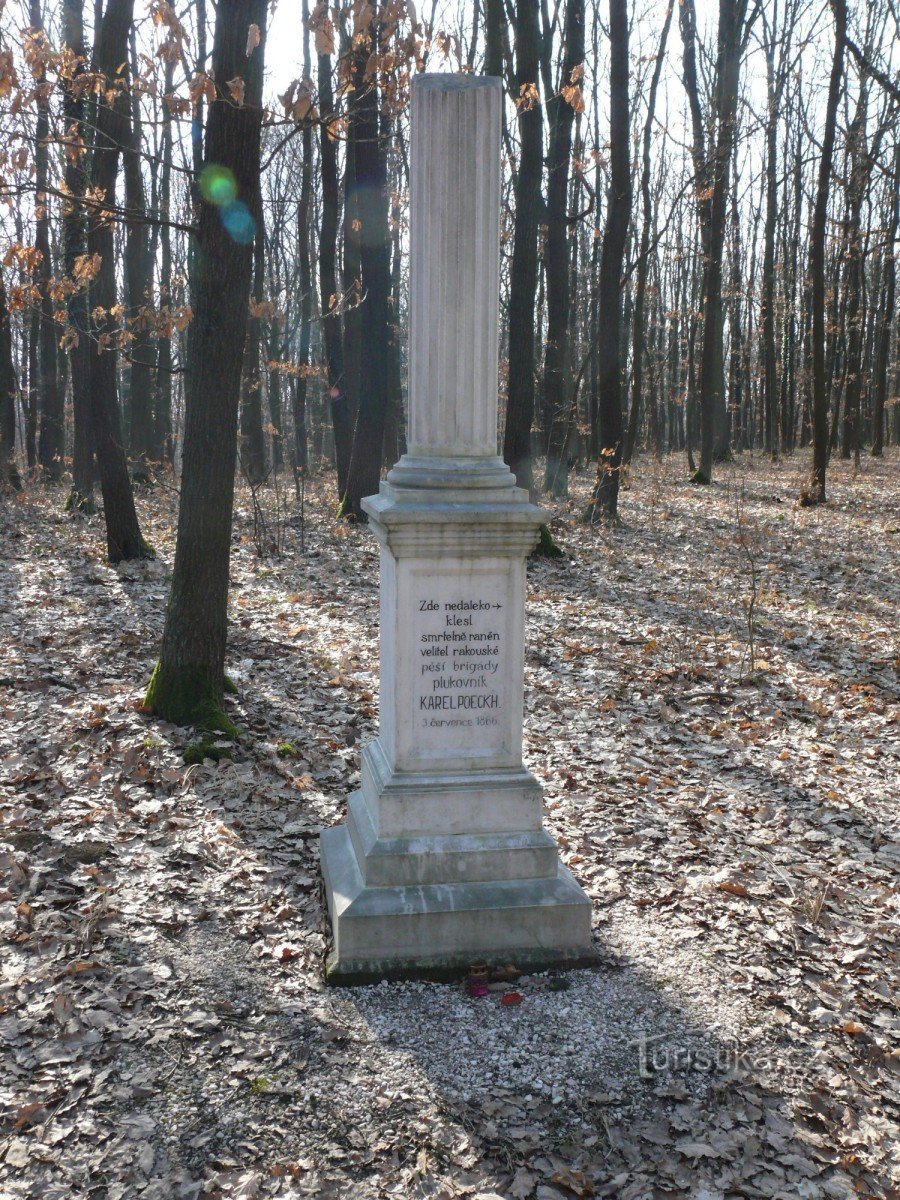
(443, 860)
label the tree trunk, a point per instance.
(637, 350)
(345, 410)
(123, 534)
(74, 245)
(712, 382)
(594, 280)
(300, 455)
(9, 387)
(253, 439)
(162, 410)
(329, 295)
(364, 473)
(394, 434)
(494, 20)
(862, 156)
(853, 324)
(815, 491)
(188, 684)
(605, 498)
(524, 267)
(30, 393)
(736, 358)
(50, 391)
(557, 370)
(767, 314)
(139, 286)
(276, 405)
(885, 318)
(790, 384)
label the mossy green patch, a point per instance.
(547, 547)
(187, 696)
(287, 750)
(206, 747)
(76, 502)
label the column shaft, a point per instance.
(454, 265)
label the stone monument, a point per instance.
(443, 860)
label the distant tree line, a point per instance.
(698, 255)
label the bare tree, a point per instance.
(112, 134)
(643, 265)
(605, 497)
(814, 493)
(561, 106)
(51, 443)
(524, 266)
(189, 680)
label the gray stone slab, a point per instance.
(444, 928)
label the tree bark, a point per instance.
(736, 382)
(364, 473)
(346, 409)
(329, 294)
(162, 409)
(123, 534)
(774, 89)
(862, 157)
(793, 303)
(9, 387)
(524, 268)
(814, 493)
(30, 393)
(557, 369)
(253, 440)
(394, 445)
(605, 498)
(300, 456)
(139, 286)
(732, 14)
(74, 245)
(188, 683)
(637, 351)
(494, 20)
(50, 392)
(885, 318)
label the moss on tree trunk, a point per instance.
(77, 501)
(546, 547)
(188, 696)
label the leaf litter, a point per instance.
(712, 706)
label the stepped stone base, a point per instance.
(439, 929)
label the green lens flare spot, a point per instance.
(217, 185)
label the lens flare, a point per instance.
(217, 185)
(238, 222)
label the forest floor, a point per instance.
(712, 704)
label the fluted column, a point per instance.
(454, 265)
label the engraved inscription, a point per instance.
(461, 645)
